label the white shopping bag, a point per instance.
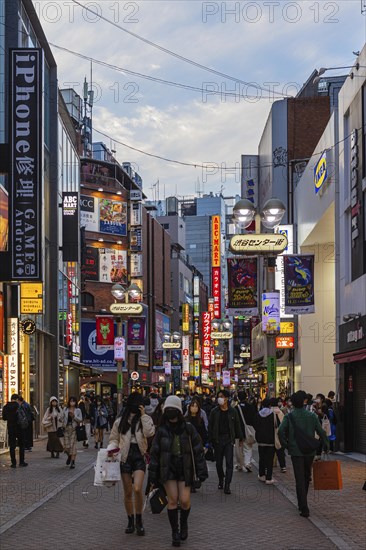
(111, 471)
(99, 480)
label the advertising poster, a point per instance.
(89, 217)
(162, 324)
(136, 333)
(92, 356)
(4, 219)
(176, 355)
(119, 349)
(112, 265)
(90, 263)
(105, 331)
(226, 378)
(299, 284)
(242, 279)
(113, 217)
(158, 359)
(271, 315)
(185, 356)
(136, 240)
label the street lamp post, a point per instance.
(124, 308)
(269, 247)
(171, 341)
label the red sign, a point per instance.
(105, 331)
(211, 307)
(206, 339)
(216, 291)
(285, 342)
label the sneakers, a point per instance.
(270, 481)
(283, 470)
(248, 467)
(262, 478)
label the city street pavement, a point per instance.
(253, 516)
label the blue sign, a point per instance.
(91, 356)
(320, 173)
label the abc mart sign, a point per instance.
(263, 243)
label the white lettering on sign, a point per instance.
(355, 203)
(355, 335)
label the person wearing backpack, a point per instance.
(296, 434)
(15, 430)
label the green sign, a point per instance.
(119, 381)
(271, 369)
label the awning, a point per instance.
(350, 356)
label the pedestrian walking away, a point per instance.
(85, 407)
(129, 436)
(15, 430)
(298, 421)
(264, 424)
(99, 419)
(53, 423)
(276, 406)
(72, 418)
(177, 457)
(247, 412)
(224, 427)
(28, 432)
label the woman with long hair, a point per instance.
(129, 436)
(195, 417)
(52, 420)
(176, 455)
(72, 417)
(100, 420)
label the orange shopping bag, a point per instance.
(327, 475)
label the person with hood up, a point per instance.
(15, 433)
(52, 420)
(264, 424)
(129, 436)
(176, 455)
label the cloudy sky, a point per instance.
(274, 45)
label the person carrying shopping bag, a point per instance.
(53, 424)
(129, 436)
(71, 417)
(99, 419)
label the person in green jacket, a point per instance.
(307, 422)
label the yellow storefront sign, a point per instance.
(31, 298)
(287, 327)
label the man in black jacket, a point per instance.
(247, 411)
(224, 427)
(14, 431)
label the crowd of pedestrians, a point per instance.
(169, 441)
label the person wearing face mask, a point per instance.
(100, 421)
(223, 428)
(72, 417)
(321, 410)
(129, 436)
(175, 446)
(52, 420)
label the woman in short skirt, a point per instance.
(52, 420)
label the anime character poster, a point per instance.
(299, 284)
(242, 278)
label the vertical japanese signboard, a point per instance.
(185, 317)
(26, 153)
(185, 356)
(216, 264)
(13, 365)
(206, 339)
(70, 226)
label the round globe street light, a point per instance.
(134, 292)
(118, 292)
(272, 213)
(244, 212)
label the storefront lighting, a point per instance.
(101, 240)
(119, 242)
(100, 189)
(119, 192)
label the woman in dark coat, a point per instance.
(171, 464)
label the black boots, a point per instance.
(52, 454)
(139, 527)
(227, 489)
(131, 525)
(221, 484)
(68, 460)
(72, 465)
(184, 523)
(173, 520)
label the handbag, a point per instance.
(306, 443)
(327, 475)
(276, 438)
(60, 432)
(157, 500)
(196, 482)
(249, 430)
(210, 454)
(80, 433)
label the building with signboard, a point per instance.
(350, 356)
(31, 256)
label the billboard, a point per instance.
(136, 333)
(299, 284)
(242, 285)
(271, 313)
(26, 157)
(70, 226)
(103, 215)
(105, 331)
(90, 354)
(112, 265)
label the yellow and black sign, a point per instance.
(28, 326)
(31, 298)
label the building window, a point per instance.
(181, 281)
(87, 299)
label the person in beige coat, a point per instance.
(52, 420)
(129, 437)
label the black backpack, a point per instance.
(22, 419)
